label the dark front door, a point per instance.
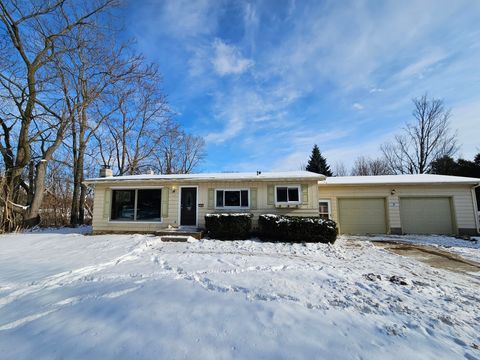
(188, 206)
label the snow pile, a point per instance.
(134, 296)
(217, 215)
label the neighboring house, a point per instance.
(359, 204)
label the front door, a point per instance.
(188, 206)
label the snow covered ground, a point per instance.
(69, 295)
(468, 249)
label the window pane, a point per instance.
(148, 204)
(323, 207)
(123, 203)
(219, 198)
(324, 216)
(244, 198)
(293, 194)
(281, 194)
(232, 198)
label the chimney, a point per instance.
(105, 171)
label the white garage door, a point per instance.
(426, 215)
(362, 216)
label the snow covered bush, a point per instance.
(229, 226)
(297, 229)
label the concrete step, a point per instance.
(178, 235)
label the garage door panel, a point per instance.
(362, 215)
(424, 215)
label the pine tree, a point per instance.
(317, 163)
(444, 165)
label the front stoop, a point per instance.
(178, 235)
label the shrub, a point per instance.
(228, 226)
(297, 229)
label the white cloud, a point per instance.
(228, 59)
(422, 65)
(466, 119)
(358, 106)
(185, 18)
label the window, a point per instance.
(123, 205)
(324, 209)
(136, 205)
(287, 195)
(232, 198)
(148, 204)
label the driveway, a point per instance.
(432, 256)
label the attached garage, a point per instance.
(362, 215)
(401, 204)
(426, 215)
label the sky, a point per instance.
(262, 81)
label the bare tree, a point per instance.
(179, 152)
(365, 166)
(129, 137)
(427, 138)
(339, 169)
(34, 117)
(88, 77)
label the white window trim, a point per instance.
(232, 207)
(299, 202)
(329, 202)
(136, 188)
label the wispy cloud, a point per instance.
(343, 75)
(228, 60)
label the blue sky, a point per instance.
(262, 81)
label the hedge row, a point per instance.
(228, 226)
(271, 227)
(297, 229)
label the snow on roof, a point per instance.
(398, 179)
(262, 176)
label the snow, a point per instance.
(69, 295)
(399, 179)
(247, 176)
(468, 249)
(229, 214)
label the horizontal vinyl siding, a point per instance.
(103, 224)
(461, 195)
(308, 209)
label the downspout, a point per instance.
(475, 207)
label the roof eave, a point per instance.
(113, 180)
(402, 183)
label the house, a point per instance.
(148, 203)
(393, 204)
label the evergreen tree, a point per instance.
(317, 163)
(444, 165)
(476, 159)
(448, 166)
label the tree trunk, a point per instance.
(32, 215)
(81, 210)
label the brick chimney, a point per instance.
(105, 171)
